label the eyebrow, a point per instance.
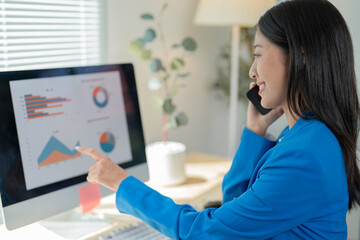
(257, 45)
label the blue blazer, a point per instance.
(292, 188)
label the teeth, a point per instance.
(261, 87)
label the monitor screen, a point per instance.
(45, 114)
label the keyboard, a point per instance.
(137, 231)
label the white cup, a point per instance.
(166, 163)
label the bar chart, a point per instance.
(38, 106)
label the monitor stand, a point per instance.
(73, 224)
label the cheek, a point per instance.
(266, 68)
(276, 78)
(277, 73)
(280, 85)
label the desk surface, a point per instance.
(203, 184)
(204, 173)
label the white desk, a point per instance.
(204, 178)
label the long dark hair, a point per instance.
(322, 76)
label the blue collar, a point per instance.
(301, 123)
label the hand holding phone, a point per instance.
(255, 98)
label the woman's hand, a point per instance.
(104, 171)
(259, 123)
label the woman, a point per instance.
(298, 187)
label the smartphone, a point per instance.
(255, 98)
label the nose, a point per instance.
(252, 72)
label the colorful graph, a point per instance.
(107, 142)
(35, 105)
(100, 97)
(55, 151)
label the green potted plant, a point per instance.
(165, 158)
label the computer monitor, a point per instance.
(44, 115)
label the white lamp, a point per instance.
(235, 13)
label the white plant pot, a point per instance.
(166, 163)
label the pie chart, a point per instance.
(107, 142)
(100, 97)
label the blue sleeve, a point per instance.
(252, 147)
(284, 196)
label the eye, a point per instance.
(256, 55)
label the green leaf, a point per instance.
(158, 101)
(154, 84)
(177, 63)
(171, 122)
(168, 106)
(156, 65)
(189, 44)
(147, 16)
(183, 75)
(166, 77)
(150, 35)
(142, 41)
(174, 91)
(163, 8)
(136, 47)
(181, 119)
(145, 55)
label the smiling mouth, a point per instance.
(261, 86)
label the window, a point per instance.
(38, 34)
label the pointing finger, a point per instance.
(91, 152)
